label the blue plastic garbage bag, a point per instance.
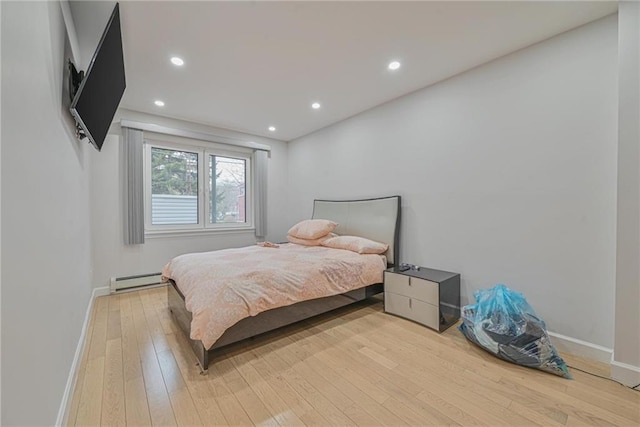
(503, 323)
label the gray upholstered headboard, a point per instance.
(375, 219)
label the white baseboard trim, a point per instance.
(101, 292)
(63, 412)
(628, 375)
(581, 348)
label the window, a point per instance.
(227, 190)
(194, 188)
(174, 187)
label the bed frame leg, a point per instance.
(202, 371)
(203, 361)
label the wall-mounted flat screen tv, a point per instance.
(98, 96)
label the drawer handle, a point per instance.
(409, 302)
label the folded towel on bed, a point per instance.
(268, 245)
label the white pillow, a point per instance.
(309, 242)
(312, 228)
(356, 244)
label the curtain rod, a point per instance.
(194, 135)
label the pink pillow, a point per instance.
(356, 244)
(309, 242)
(312, 228)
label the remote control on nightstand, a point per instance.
(404, 267)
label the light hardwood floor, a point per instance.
(356, 366)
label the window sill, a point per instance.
(155, 234)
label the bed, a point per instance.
(376, 219)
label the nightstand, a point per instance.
(429, 297)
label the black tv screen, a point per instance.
(97, 99)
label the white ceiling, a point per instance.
(249, 65)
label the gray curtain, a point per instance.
(260, 161)
(133, 150)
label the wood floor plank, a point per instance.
(479, 393)
(534, 407)
(543, 376)
(394, 384)
(575, 407)
(407, 413)
(413, 339)
(491, 367)
(90, 407)
(114, 329)
(99, 334)
(446, 385)
(249, 400)
(205, 402)
(150, 307)
(158, 400)
(378, 358)
(387, 380)
(614, 390)
(130, 355)
(447, 408)
(496, 402)
(136, 407)
(113, 409)
(307, 413)
(226, 400)
(628, 410)
(282, 414)
(593, 366)
(362, 392)
(183, 407)
(542, 415)
(167, 323)
(136, 403)
(342, 374)
(297, 359)
(302, 387)
(357, 365)
(114, 302)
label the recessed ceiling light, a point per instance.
(272, 128)
(159, 103)
(315, 105)
(394, 65)
(177, 61)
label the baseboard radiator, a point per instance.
(133, 282)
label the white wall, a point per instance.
(46, 282)
(626, 365)
(507, 173)
(112, 258)
(90, 19)
(0, 217)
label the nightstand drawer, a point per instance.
(420, 289)
(411, 309)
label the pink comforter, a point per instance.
(223, 287)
